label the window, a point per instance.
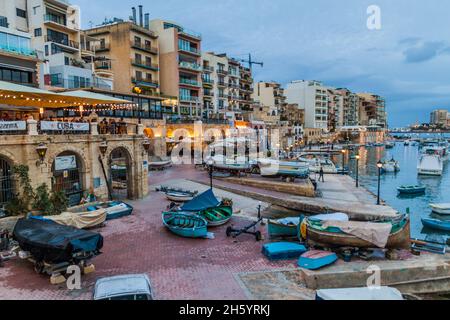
(138, 58)
(38, 32)
(137, 41)
(148, 44)
(21, 13)
(46, 49)
(66, 61)
(138, 75)
(148, 61)
(148, 77)
(102, 43)
(16, 76)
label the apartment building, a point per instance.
(294, 117)
(127, 52)
(19, 62)
(246, 101)
(335, 109)
(371, 110)
(181, 66)
(271, 95)
(440, 117)
(350, 107)
(312, 96)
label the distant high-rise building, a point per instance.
(440, 117)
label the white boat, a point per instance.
(391, 166)
(441, 208)
(158, 163)
(315, 163)
(430, 165)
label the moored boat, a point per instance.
(431, 165)
(276, 168)
(391, 166)
(411, 189)
(316, 259)
(114, 209)
(436, 224)
(441, 208)
(185, 224)
(287, 227)
(179, 196)
(159, 163)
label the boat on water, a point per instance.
(335, 234)
(207, 206)
(430, 165)
(361, 294)
(378, 144)
(114, 209)
(159, 163)
(407, 143)
(441, 208)
(185, 224)
(284, 228)
(391, 166)
(316, 259)
(390, 145)
(436, 224)
(411, 189)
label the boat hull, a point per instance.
(440, 210)
(436, 224)
(185, 225)
(398, 240)
(178, 197)
(277, 229)
(217, 216)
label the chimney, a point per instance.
(147, 21)
(134, 15)
(141, 17)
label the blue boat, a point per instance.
(283, 250)
(114, 209)
(185, 224)
(316, 259)
(284, 228)
(411, 189)
(436, 224)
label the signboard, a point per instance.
(65, 163)
(13, 125)
(64, 126)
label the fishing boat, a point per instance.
(390, 145)
(185, 224)
(441, 208)
(436, 224)
(159, 163)
(179, 196)
(114, 209)
(431, 165)
(391, 166)
(334, 237)
(287, 227)
(315, 163)
(207, 206)
(221, 163)
(275, 168)
(316, 259)
(411, 189)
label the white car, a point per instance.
(125, 287)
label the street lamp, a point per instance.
(343, 160)
(210, 163)
(357, 157)
(379, 166)
(138, 91)
(103, 147)
(41, 150)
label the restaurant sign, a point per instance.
(65, 163)
(64, 126)
(13, 125)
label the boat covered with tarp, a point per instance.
(207, 206)
(80, 220)
(114, 209)
(53, 243)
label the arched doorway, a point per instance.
(120, 174)
(7, 190)
(67, 169)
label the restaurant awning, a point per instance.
(92, 97)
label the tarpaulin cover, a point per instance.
(202, 202)
(54, 243)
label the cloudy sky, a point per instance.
(407, 61)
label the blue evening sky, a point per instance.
(407, 61)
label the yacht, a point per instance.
(391, 166)
(315, 164)
(430, 165)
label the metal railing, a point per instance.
(191, 33)
(63, 41)
(189, 82)
(190, 66)
(142, 64)
(56, 19)
(144, 47)
(208, 68)
(142, 81)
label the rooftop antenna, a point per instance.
(251, 62)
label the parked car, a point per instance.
(124, 287)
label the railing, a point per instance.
(189, 82)
(141, 64)
(56, 80)
(56, 19)
(190, 50)
(208, 81)
(189, 98)
(4, 22)
(233, 85)
(143, 47)
(103, 65)
(191, 33)
(208, 93)
(190, 65)
(58, 128)
(208, 68)
(145, 82)
(17, 50)
(221, 83)
(102, 47)
(222, 71)
(62, 41)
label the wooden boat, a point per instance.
(336, 238)
(179, 196)
(275, 168)
(316, 259)
(391, 166)
(288, 227)
(436, 224)
(441, 208)
(114, 209)
(411, 189)
(217, 216)
(185, 224)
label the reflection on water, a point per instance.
(438, 188)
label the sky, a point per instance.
(407, 61)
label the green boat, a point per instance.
(185, 224)
(217, 216)
(284, 228)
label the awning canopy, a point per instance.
(15, 95)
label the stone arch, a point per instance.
(121, 173)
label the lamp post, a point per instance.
(210, 163)
(103, 147)
(379, 166)
(138, 91)
(41, 150)
(357, 157)
(343, 160)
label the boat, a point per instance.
(361, 294)
(316, 163)
(391, 166)
(334, 237)
(207, 206)
(436, 224)
(159, 163)
(316, 259)
(406, 143)
(378, 144)
(276, 168)
(411, 189)
(53, 243)
(185, 224)
(179, 196)
(390, 145)
(287, 227)
(219, 162)
(430, 164)
(80, 220)
(283, 250)
(114, 209)
(441, 208)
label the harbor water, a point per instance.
(437, 188)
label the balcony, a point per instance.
(190, 66)
(141, 64)
(189, 99)
(208, 69)
(190, 34)
(64, 42)
(222, 72)
(221, 84)
(102, 47)
(103, 66)
(207, 82)
(17, 50)
(190, 50)
(145, 82)
(233, 85)
(208, 93)
(189, 82)
(143, 47)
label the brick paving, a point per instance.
(178, 268)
